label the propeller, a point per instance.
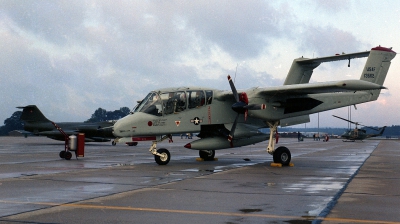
(241, 106)
(356, 123)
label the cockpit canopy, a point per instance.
(163, 103)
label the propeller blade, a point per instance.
(232, 133)
(233, 88)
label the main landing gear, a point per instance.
(207, 155)
(281, 154)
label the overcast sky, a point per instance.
(72, 57)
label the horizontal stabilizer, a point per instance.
(333, 58)
(325, 87)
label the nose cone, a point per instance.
(115, 129)
(119, 129)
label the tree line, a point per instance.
(14, 122)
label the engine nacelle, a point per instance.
(223, 143)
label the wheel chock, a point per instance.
(280, 164)
(201, 159)
(276, 164)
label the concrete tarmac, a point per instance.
(331, 182)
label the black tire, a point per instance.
(68, 155)
(207, 154)
(62, 154)
(162, 160)
(113, 143)
(282, 155)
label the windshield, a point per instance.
(151, 104)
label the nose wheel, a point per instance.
(163, 156)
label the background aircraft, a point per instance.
(226, 119)
(359, 134)
(36, 123)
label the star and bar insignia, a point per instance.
(196, 121)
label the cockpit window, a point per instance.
(173, 102)
(196, 98)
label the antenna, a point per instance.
(234, 79)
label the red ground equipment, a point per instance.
(72, 144)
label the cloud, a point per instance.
(54, 21)
(332, 6)
(329, 40)
(72, 57)
(224, 23)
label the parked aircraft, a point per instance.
(359, 134)
(36, 123)
(226, 119)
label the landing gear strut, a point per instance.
(161, 156)
(281, 154)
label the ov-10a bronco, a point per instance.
(227, 119)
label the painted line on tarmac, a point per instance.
(125, 208)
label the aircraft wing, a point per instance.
(325, 87)
(57, 133)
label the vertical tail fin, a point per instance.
(383, 130)
(32, 114)
(377, 67)
(300, 73)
